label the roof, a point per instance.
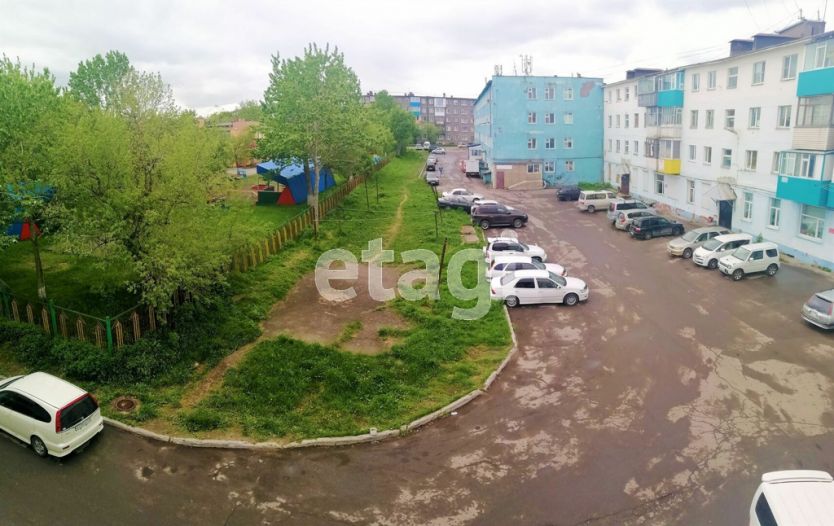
(799, 498)
(513, 258)
(49, 389)
(532, 273)
(732, 237)
(764, 244)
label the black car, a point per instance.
(498, 215)
(654, 226)
(568, 193)
(455, 201)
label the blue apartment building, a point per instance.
(538, 131)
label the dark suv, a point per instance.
(568, 193)
(498, 215)
(654, 226)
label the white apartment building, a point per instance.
(734, 141)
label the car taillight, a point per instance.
(636, 228)
(492, 290)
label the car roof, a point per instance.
(531, 273)
(732, 237)
(637, 211)
(826, 294)
(763, 246)
(642, 219)
(48, 389)
(705, 229)
(517, 258)
(494, 239)
(800, 498)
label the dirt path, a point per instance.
(394, 229)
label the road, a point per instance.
(659, 401)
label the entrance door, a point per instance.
(499, 180)
(725, 214)
(625, 181)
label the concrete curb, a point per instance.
(373, 436)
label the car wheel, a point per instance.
(771, 270)
(591, 209)
(647, 235)
(484, 224)
(511, 301)
(687, 253)
(571, 300)
(39, 447)
(738, 274)
(517, 223)
(713, 264)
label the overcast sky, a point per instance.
(217, 53)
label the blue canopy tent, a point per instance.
(292, 177)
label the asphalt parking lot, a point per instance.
(659, 401)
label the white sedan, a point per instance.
(508, 246)
(438, 151)
(527, 287)
(463, 192)
(504, 264)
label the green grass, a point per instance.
(595, 186)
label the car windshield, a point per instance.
(558, 279)
(741, 253)
(9, 382)
(506, 278)
(690, 236)
(538, 264)
(712, 244)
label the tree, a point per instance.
(429, 132)
(312, 113)
(402, 124)
(242, 146)
(249, 110)
(97, 80)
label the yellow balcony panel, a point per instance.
(670, 166)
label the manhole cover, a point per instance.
(125, 404)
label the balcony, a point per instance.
(647, 100)
(813, 138)
(811, 192)
(670, 98)
(815, 82)
(669, 166)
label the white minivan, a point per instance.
(793, 498)
(708, 254)
(50, 414)
(593, 200)
(755, 257)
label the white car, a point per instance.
(50, 414)
(527, 287)
(793, 498)
(753, 257)
(508, 246)
(463, 192)
(503, 264)
(438, 151)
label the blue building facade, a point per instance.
(541, 131)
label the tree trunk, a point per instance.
(36, 252)
(313, 197)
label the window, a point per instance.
(775, 212)
(711, 79)
(532, 168)
(625, 120)
(568, 117)
(618, 95)
(531, 117)
(822, 56)
(726, 158)
(610, 121)
(812, 221)
(610, 145)
(531, 143)
(618, 121)
(531, 93)
(636, 120)
(774, 164)
(636, 147)
(789, 67)
(696, 81)
(783, 120)
(568, 143)
(693, 119)
(618, 146)
(568, 166)
(549, 166)
(658, 183)
(758, 72)
(751, 160)
(690, 191)
(525, 283)
(732, 77)
(692, 154)
(730, 119)
(550, 118)
(549, 143)
(567, 94)
(755, 117)
(796, 164)
(625, 146)
(709, 119)
(549, 94)
(747, 213)
(815, 112)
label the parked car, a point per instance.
(482, 202)
(439, 151)
(463, 192)
(487, 216)
(432, 178)
(431, 164)
(454, 201)
(819, 309)
(626, 217)
(753, 257)
(708, 254)
(687, 243)
(654, 226)
(507, 246)
(793, 498)
(568, 193)
(50, 414)
(593, 200)
(503, 264)
(618, 205)
(527, 287)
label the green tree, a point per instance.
(242, 146)
(249, 110)
(97, 81)
(402, 124)
(428, 131)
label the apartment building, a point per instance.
(538, 131)
(745, 141)
(453, 115)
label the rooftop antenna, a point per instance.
(499, 70)
(526, 65)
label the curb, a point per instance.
(373, 436)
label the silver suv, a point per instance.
(687, 243)
(819, 309)
(618, 205)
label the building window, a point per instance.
(568, 94)
(568, 166)
(626, 93)
(531, 93)
(531, 117)
(796, 164)
(568, 143)
(692, 152)
(658, 183)
(618, 121)
(726, 158)
(531, 143)
(815, 112)
(758, 72)
(822, 57)
(730, 119)
(549, 143)
(532, 168)
(549, 166)
(550, 118)
(625, 146)
(707, 154)
(783, 120)
(812, 221)
(732, 77)
(610, 145)
(636, 147)
(789, 67)
(618, 95)
(696, 81)
(690, 191)
(755, 117)
(693, 119)
(775, 212)
(610, 121)
(549, 94)
(709, 119)
(625, 122)
(617, 143)
(568, 117)
(711, 79)
(636, 120)
(747, 213)
(751, 160)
